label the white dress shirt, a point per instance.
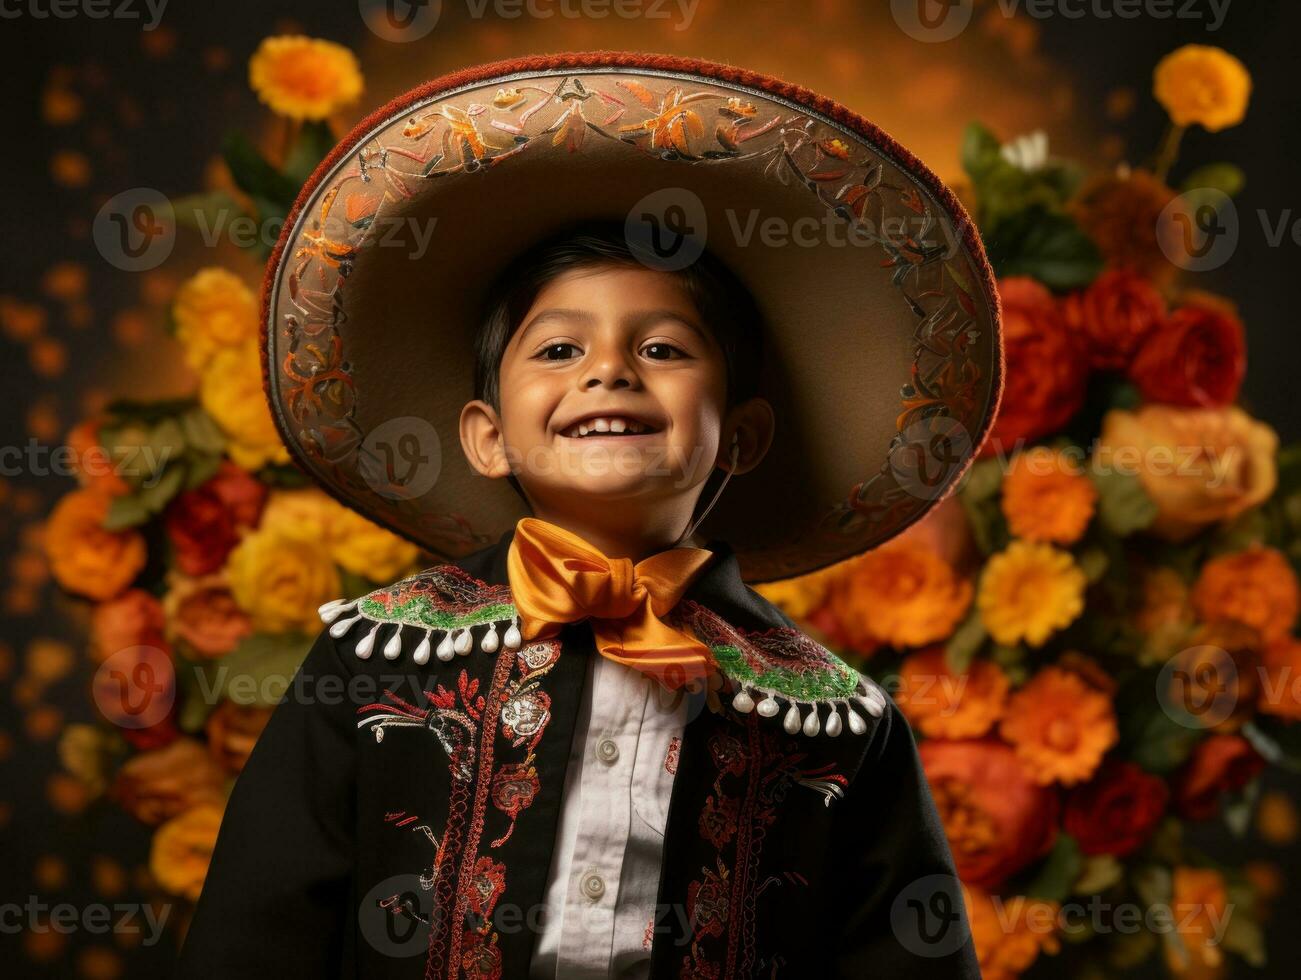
(604, 880)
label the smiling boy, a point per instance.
(581, 746)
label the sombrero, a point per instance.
(883, 346)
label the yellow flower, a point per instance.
(1059, 726)
(366, 549)
(1046, 497)
(214, 309)
(231, 392)
(307, 513)
(280, 579)
(1202, 84)
(797, 597)
(1028, 592)
(304, 77)
(1201, 907)
(182, 850)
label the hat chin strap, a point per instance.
(732, 455)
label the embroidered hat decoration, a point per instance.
(556, 577)
(882, 331)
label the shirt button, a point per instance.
(592, 885)
(607, 750)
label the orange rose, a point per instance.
(157, 785)
(1256, 587)
(202, 614)
(1280, 687)
(95, 467)
(182, 850)
(233, 729)
(1219, 765)
(1199, 465)
(85, 558)
(947, 705)
(133, 619)
(1046, 497)
(997, 820)
(1164, 602)
(1061, 728)
(1200, 907)
(901, 594)
(1010, 936)
(1045, 371)
(1114, 316)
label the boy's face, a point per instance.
(612, 388)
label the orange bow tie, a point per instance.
(557, 577)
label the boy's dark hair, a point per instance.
(725, 305)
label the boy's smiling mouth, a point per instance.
(610, 424)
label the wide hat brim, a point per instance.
(884, 354)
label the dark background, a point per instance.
(154, 113)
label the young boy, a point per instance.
(586, 749)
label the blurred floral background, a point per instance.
(1100, 661)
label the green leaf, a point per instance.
(1093, 562)
(982, 480)
(202, 433)
(1227, 178)
(124, 512)
(258, 671)
(272, 191)
(1059, 872)
(965, 642)
(158, 495)
(1242, 933)
(193, 679)
(206, 212)
(314, 142)
(1045, 245)
(980, 151)
(1123, 505)
(201, 470)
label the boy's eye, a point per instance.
(557, 352)
(660, 351)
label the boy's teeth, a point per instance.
(617, 425)
(612, 424)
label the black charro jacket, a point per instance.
(396, 819)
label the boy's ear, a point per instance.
(481, 439)
(754, 423)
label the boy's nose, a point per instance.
(612, 370)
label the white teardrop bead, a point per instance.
(811, 724)
(489, 642)
(342, 626)
(833, 725)
(393, 648)
(445, 651)
(856, 723)
(743, 702)
(767, 707)
(464, 641)
(792, 720)
(421, 656)
(873, 708)
(513, 638)
(367, 643)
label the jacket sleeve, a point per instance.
(899, 909)
(276, 902)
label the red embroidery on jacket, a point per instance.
(671, 758)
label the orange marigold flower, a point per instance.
(1200, 906)
(902, 594)
(943, 704)
(1046, 497)
(182, 850)
(1009, 936)
(1256, 587)
(1202, 84)
(1060, 727)
(304, 77)
(84, 556)
(1028, 592)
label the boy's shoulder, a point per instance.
(771, 665)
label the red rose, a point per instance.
(1045, 367)
(1116, 811)
(204, 523)
(1114, 316)
(997, 819)
(1196, 358)
(1220, 764)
